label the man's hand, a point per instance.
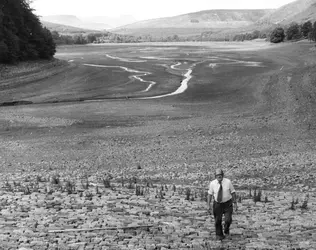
(236, 207)
(210, 210)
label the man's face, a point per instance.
(219, 177)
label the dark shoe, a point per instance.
(226, 232)
(220, 237)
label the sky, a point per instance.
(144, 9)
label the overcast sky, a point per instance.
(145, 9)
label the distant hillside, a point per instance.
(202, 20)
(297, 11)
(65, 29)
(111, 22)
(74, 21)
(90, 22)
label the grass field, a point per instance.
(248, 108)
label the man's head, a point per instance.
(219, 174)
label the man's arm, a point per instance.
(235, 200)
(234, 197)
(209, 199)
(209, 196)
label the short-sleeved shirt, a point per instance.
(228, 189)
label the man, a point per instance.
(224, 196)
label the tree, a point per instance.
(293, 32)
(22, 36)
(4, 52)
(255, 34)
(313, 32)
(48, 48)
(175, 38)
(306, 28)
(277, 35)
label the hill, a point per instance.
(99, 23)
(65, 29)
(297, 11)
(195, 22)
(74, 21)
(111, 22)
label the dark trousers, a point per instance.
(219, 209)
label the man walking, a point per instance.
(224, 196)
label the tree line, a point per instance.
(107, 37)
(98, 37)
(22, 36)
(294, 31)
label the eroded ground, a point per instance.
(247, 111)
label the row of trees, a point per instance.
(294, 31)
(107, 37)
(250, 36)
(22, 36)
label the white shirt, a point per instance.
(228, 189)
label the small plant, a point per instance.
(134, 179)
(89, 196)
(8, 186)
(202, 195)
(35, 187)
(161, 195)
(266, 199)
(16, 184)
(187, 194)
(250, 195)
(257, 196)
(39, 179)
(106, 182)
(69, 187)
(60, 187)
(85, 184)
(130, 184)
(304, 204)
(48, 190)
(239, 198)
(27, 190)
(139, 191)
(292, 207)
(193, 196)
(55, 180)
(97, 190)
(180, 190)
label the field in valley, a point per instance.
(159, 118)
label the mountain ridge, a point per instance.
(290, 12)
(216, 22)
(203, 19)
(99, 23)
(66, 29)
